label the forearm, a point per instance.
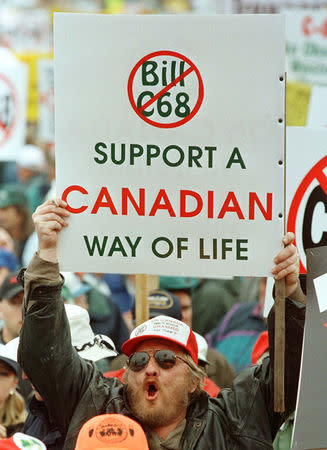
(45, 352)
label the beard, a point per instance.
(157, 415)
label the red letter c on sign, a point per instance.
(68, 191)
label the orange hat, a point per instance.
(111, 431)
(260, 347)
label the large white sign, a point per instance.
(13, 99)
(306, 45)
(307, 187)
(169, 142)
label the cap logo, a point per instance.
(140, 330)
(161, 301)
(111, 431)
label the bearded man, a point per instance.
(162, 389)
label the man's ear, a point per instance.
(193, 385)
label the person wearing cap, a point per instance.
(21, 441)
(12, 405)
(162, 302)
(15, 217)
(11, 298)
(31, 173)
(163, 381)
(90, 347)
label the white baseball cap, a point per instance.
(31, 157)
(163, 327)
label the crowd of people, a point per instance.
(80, 354)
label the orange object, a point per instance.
(108, 431)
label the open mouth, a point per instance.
(151, 391)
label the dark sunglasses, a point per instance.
(166, 359)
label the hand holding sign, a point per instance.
(50, 218)
(287, 264)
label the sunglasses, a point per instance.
(166, 359)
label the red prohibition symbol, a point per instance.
(176, 118)
(8, 109)
(315, 173)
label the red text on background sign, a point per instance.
(309, 28)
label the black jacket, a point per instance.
(38, 425)
(74, 390)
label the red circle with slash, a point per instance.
(5, 129)
(315, 173)
(156, 97)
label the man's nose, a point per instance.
(152, 369)
(24, 376)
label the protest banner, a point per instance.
(306, 192)
(306, 45)
(309, 427)
(13, 95)
(170, 150)
(45, 99)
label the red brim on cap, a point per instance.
(128, 347)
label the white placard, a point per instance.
(306, 45)
(45, 99)
(306, 189)
(195, 185)
(317, 112)
(13, 98)
(320, 284)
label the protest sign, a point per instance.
(45, 99)
(306, 191)
(13, 94)
(170, 150)
(317, 113)
(306, 45)
(309, 430)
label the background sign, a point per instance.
(309, 430)
(189, 182)
(13, 95)
(45, 100)
(317, 113)
(306, 45)
(307, 188)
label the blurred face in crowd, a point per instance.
(11, 314)
(25, 174)
(10, 218)
(157, 396)
(8, 381)
(186, 305)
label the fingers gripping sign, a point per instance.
(49, 219)
(287, 264)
